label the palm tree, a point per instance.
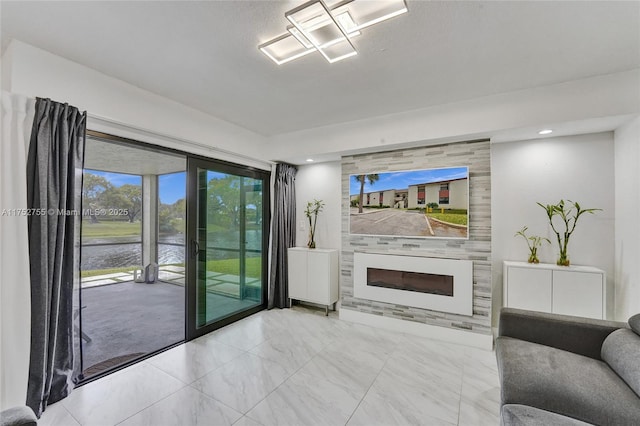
(362, 179)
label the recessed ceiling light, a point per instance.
(309, 160)
(545, 132)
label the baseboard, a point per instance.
(450, 335)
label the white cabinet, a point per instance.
(573, 290)
(313, 275)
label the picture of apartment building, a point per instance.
(447, 194)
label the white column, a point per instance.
(149, 219)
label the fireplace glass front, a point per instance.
(441, 285)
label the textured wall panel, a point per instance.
(476, 156)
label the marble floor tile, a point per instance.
(56, 415)
(393, 402)
(346, 365)
(381, 343)
(289, 349)
(421, 369)
(480, 398)
(322, 329)
(187, 406)
(307, 400)
(295, 367)
(243, 382)
(246, 421)
(110, 400)
(485, 358)
(192, 360)
(246, 334)
(429, 351)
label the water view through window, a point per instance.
(133, 253)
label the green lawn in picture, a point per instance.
(458, 217)
(232, 267)
(110, 229)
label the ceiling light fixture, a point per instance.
(309, 160)
(328, 29)
(545, 132)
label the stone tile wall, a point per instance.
(476, 156)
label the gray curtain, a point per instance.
(283, 234)
(54, 185)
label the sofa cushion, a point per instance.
(563, 382)
(523, 415)
(621, 350)
(634, 323)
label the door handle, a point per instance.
(195, 248)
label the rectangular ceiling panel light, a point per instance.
(284, 49)
(319, 27)
(365, 13)
(298, 35)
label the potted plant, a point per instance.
(568, 213)
(313, 208)
(533, 242)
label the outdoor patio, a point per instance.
(122, 319)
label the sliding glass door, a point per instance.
(227, 223)
(132, 265)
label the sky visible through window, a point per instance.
(172, 186)
(402, 180)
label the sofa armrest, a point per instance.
(582, 336)
(18, 416)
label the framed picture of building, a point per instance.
(427, 203)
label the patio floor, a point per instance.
(217, 282)
(130, 318)
(124, 319)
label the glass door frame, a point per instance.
(139, 144)
(193, 164)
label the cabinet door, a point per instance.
(529, 288)
(577, 293)
(319, 277)
(297, 274)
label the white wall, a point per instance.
(627, 247)
(322, 182)
(579, 168)
(33, 72)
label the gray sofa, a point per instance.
(18, 416)
(563, 370)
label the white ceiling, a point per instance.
(108, 156)
(204, 54)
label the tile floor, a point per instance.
(294, 367)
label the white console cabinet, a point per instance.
(313, 275)
(572, 290)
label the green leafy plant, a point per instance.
(533, 242)
(313, 209)
(568, 213)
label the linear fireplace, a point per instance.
(424, 282)
(411, 281)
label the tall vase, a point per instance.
(311, 244)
